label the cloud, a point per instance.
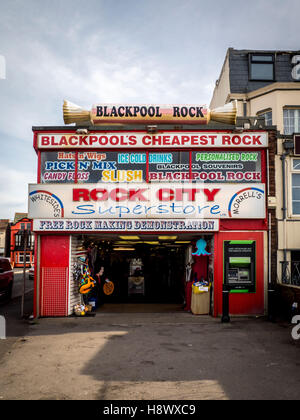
(47, 78)
(36, 86)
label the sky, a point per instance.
(117, 51)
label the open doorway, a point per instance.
(144, 269)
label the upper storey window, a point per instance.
(267, 115)
(261, 67)
(291, 120)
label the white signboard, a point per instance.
(150, 140)
(141, 225)
(147, 201)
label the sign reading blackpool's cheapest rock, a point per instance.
(167, 139)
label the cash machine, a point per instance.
(239, 266)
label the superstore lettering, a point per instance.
(167, 139)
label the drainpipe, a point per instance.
(284, 210)
(245, 108)
(288, 146)
(271, 291)
(282, 158)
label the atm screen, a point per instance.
(239, 261)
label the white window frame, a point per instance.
(21, 258)
(294, 172)
(296, 128)
(264, 113)
(18, 240)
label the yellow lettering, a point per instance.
(129, 176)
(106, 176)
(138, 176)
(122, 176)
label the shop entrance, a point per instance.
(143, 268)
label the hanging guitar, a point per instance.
(87, 282)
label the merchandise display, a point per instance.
(82, 310)
(200, 298)
(200, 287)
(88, 272)
(86, 282)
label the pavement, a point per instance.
(19, 283)
(146, 356)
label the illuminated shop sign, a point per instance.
(145, 140)
(150, 201)
(206, 166)
(142, 225)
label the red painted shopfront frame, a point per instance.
(51, 247)
(237, 229)
(240, 303)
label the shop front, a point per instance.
(21, 238)
(144, 215)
